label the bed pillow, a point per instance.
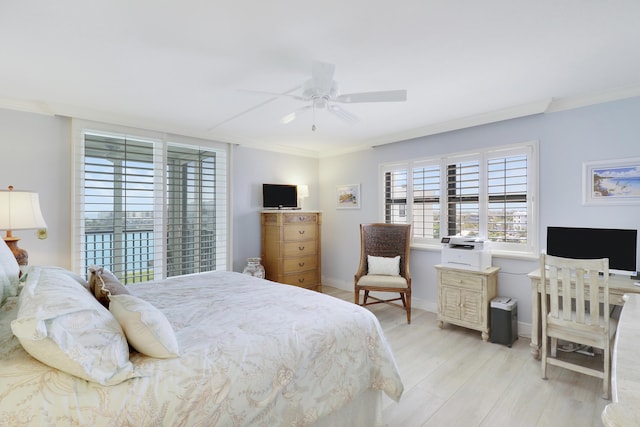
(102, 282)
(9, 273)
(62, 325)
(146, 328)
(385, 266)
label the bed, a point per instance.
(249, 353)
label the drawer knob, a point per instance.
(300, 280)
(301, 264)
(301, 218)
(301, 248)
(300, 231)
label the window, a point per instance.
(149, 208)
(488, 194)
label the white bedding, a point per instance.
(252, 353)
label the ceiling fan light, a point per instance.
(288, 118)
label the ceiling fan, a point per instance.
(321, 92)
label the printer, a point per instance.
(467, 253)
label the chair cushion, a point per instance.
(383, 281)
(378, 265)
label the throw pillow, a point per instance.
(146, 328)
(103, 283)
(385, 266)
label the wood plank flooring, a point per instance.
(452, 378)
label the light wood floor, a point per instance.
(452, 378)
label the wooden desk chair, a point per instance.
(579, 318)
(384, 264)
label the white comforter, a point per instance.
(252, 353)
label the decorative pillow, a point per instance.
(62, 325)
(146, 328)
(102, 280)
(74, 276)
(384, 266)
(9, 273)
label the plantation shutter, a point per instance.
(119, 206)
(463, 196)
(149, 209)
(395, 196)
(507, 180)
(426, 201)
(191, 210)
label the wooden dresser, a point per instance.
(464, 297)
(291, 248)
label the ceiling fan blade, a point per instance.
(322, 75)
(380, 96)
(284, 95)
(343, 114)
(294, 114)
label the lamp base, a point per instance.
(21, 255)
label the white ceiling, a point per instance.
(185, 66)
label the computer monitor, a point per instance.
(619, 245)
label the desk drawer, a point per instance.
(461, 280)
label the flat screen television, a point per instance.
(279, 196)
(619, 245)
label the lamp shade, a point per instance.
(303, 191)
(20, 210)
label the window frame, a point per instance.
(516, 250)
(161, 141)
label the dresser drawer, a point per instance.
(461, 280)
(298, 232)
(300, 218)
(308, 279)
(299, 248)
(300, 264)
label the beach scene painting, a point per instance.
(613, 182)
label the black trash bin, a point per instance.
(504, 320)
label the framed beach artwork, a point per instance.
(611, 182)
(348, 196)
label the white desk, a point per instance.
(625, 375)
(618, 287)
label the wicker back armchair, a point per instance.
(380, 244)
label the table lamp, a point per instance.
(19, 210)
(303, 193)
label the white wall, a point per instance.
(252, 168)
(35, 154)
(567, 138)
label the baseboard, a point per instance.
(524, 329)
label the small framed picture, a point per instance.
(348, 196)
(611, 182)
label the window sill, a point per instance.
(528, 256)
